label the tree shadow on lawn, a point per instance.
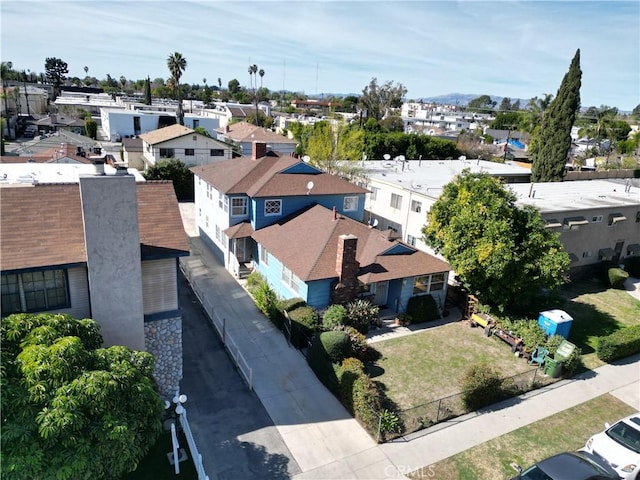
(373, 370)
(589, 322)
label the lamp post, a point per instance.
(176, 453)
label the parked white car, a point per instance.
(619, 446)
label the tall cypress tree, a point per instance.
(147, 91)
(552, 141)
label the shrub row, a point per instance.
(620, 344)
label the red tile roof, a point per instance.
(42, 225)
(307, 244)
(267, 177)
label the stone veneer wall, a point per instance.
(163, 339)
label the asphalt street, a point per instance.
(232, 429)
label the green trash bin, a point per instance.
(552, 367)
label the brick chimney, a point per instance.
(259, 150)
(347, 268)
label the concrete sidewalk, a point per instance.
(325, 441)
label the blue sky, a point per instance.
(512, 48)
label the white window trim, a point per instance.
(244, 207)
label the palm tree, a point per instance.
(86, 70)
(177, 64)
(253, 70)
(123, 81)
(261, 73)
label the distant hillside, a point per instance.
(463, 99)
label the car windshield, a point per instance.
(534, 473)
(625, 435)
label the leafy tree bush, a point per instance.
(304, 323)
(616, 277)
(481, 386)
(292, 304)
(350, 370)
(552, 343)
(360, 349)
(254, 279)
(619, 344)
(320, 362)
(362, 313)
(422, 308)
(267, 302)
(528, 330)
(333, 316)
(573, 363)
(71, 409)
(336, 344)
(176, 171)
(366, 402)
(91, 128)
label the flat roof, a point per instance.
(12, 174)
(430, 176)
(578, 195)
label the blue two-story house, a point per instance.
(302, 229)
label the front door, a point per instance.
(382, 289)
(240, 249)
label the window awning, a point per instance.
(573, 221)
(633, 249)
(553, 223)
(617, 217)
(606, 252)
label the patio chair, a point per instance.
(538, 355)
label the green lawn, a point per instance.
(565, 431)
(597, 311)
(155, 466)
(429, 365)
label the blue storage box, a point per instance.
(555, 322)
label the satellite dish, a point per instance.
(386, 156)
(401, 158)
(306, 159)
(374, 224)
(462, 157)
(309, 187)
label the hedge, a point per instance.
(422, 308)
(303, 325)
(320, 362)
(620, 344)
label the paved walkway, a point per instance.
(324, 440)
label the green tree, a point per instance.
(147, 91)
(90, 127)
(482, 104)
(177, 64)
(175, 170)
(233, 86)
(534, 111)
(551, 142)
(379, 100)
(71, 409)
(505, 104)
(392, 123)
(55, 71)
(502, 253)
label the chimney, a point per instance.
(259, 150)
(347, 268)
(99, 164)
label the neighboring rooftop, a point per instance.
(430, 176)
(42, 225)
(246, 132)
(578, 194)
(12, 174)
(166, 133)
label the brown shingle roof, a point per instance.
(239, 230)
(42, 225)
(307, 244)
(246, 132)
(166, 133)
(267, 177)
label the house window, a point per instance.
(223, 202)
(167, 153)
(289, 279)
(374, 193)
(586, 254)
(218, 233)
(189, 152)
(428, 283)
(272, 207)
(199, 212)
(596, 219)
(34, 291)
(264, 256)
(396, 200)
(196, 124)
(350, 204)
(416, 206)
(216, 152)
(239, 206)
(411, 240)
